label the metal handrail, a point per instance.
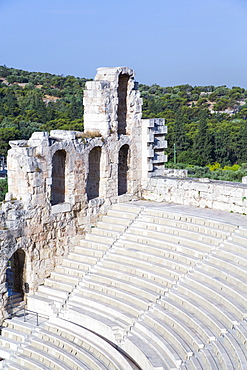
(23, 307)
(32, 312)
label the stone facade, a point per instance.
(59, 182)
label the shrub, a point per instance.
(3, 188)
(214, 167)
(235, 167)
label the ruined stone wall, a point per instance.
(104, 104)
(30, 220)
(204, 193)
(102, 100)
(60, 182)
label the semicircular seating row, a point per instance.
(167, 288)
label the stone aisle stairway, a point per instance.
(166, 285)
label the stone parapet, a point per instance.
(221, 195)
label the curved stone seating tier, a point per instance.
(186, 250)
(77, 264)
(94, 317)
(241, 333)
(234, 293)
(158, 352)
(144, 262)
(191, 318)
(237, 260)
(236, 248)
(163, 318)
(114, 297)
(118, 310)
(215, 316)
(236, 349)
(175, 230)
(62, 345)
(156, 331)
(135, 281)
(209, 360)
(170, 254)
(178, 221)
(176, 266)
(239, 241)
(180, 216)
(165, 285)
(228, 352)
(138, 233)
(162, 278)
(226, 261)
(227, 272)
(139, 293)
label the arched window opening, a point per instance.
(123, 159)
(58, 177)
(122, 103)
(15, 280)
(93, 180)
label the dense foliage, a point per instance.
(3, 188)
(207, 124)
(34, 101)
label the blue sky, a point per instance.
(168, 42)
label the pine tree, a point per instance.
(242, 143)
(203, 142)
(179, 133)
(10, 103)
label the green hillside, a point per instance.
(207, 124)
(34, 101)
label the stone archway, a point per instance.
(123, 168)
(15, 274)
(93, 179)
(122, 103)
(58, 177)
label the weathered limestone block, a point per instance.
(63, 207)
(39, 139)
(63, 135)
(170, 172)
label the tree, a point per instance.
(7, 134)
(203, 142)
(243, 112)
(10, 103)
(179, 132)
(242, 152)
(223, 150)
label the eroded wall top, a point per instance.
(112, 102)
